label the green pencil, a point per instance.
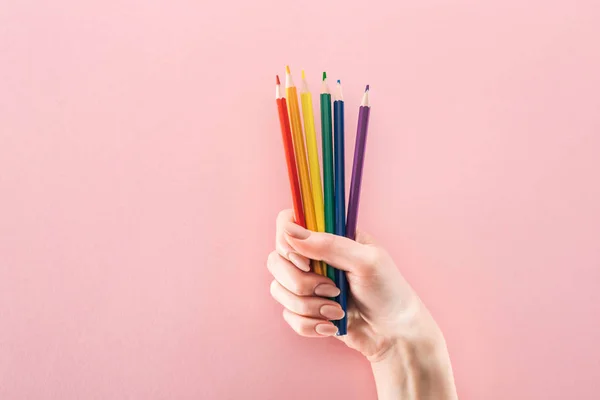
(326, 135)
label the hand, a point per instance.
(382, 307)
(386, 319)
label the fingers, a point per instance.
(340, 252)
(298, 282)
(284, 216)
(298, 292)
(309, 327)
(282, 246)
(311, 306)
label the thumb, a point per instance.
(337, 251)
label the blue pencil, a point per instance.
(340, 200)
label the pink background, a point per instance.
(141, 171)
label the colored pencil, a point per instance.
(300, 151)
(327, 150)
(340, 199)
(313, 159)
(290, 158)
(357, 166)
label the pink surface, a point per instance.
(141, 170)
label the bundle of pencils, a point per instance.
(320, 205)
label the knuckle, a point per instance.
(371, 259)
(301, 325)
(301, 288)
(302, 307)
(271, 259)
(281, 247)
(273, 288)
(286, 318)
(283, 216)
(306, 329)
(290, 321)
(326, 241)
(295, 287)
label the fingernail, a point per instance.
(326, 329)
(332, 312)
(327, 290)
(299, 261)
(296, 231)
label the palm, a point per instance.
(368, 307)
(361, 336)
(363, 333)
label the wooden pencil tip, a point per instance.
(287, 69)
(339, 82)
(324, 75)
(277, 76)
(303, 75)
(367, 88)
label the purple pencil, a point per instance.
(357, 167)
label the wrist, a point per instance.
(414, 367)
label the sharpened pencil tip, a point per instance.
(324, 75)
(367, 88)
(339, 82)
(277, 76)
(303, 75)
(287, 69)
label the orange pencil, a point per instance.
(300, 149)
(290, 159)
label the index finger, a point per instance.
(282, 246)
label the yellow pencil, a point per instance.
(313, 157)
(313, 153)
(300, 150)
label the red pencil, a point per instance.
(288, 147)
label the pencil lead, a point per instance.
(365, 98)
(324, 85)
(287, 69)
(277, 76)
(338, 95)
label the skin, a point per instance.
(387, 322)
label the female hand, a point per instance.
(387, 322)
